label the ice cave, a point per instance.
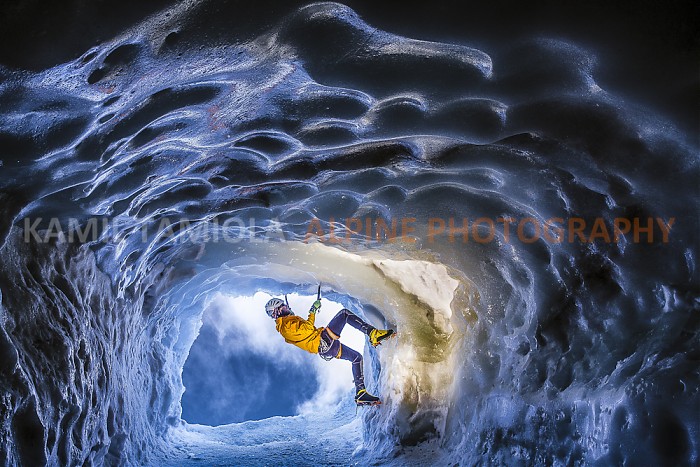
(507, 187)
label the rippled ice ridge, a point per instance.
(565, 352)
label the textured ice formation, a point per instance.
(508, 352)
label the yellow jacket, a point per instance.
(299, 331)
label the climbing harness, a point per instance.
(324, 346)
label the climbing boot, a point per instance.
(376, 336)
(364, 398)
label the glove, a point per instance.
(316, 307)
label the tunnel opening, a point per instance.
(413, 374)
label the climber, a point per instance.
(324, 341)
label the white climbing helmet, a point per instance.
(273, 305)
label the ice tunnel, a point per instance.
(526, 226)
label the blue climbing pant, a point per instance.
(338, 350)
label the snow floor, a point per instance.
(316, 440)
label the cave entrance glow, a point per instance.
(239, 368)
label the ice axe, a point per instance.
(316, 307)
